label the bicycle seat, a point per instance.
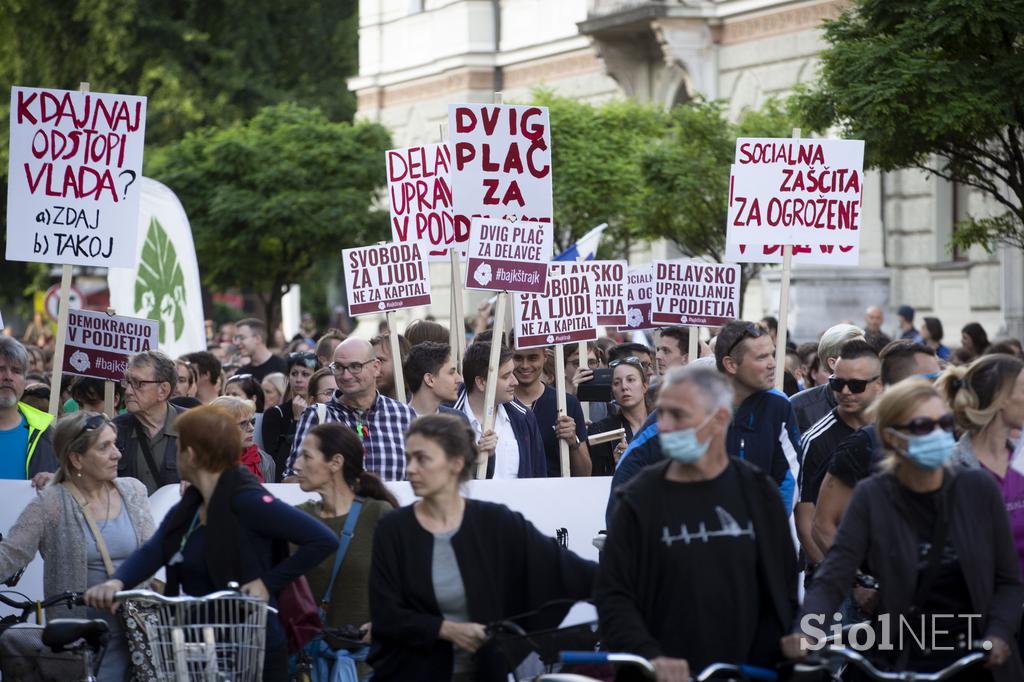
(61, 632)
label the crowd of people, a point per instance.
(890, 458)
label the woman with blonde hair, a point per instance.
(274, 386)
(936, 537)
(85, 523)
(255, 460)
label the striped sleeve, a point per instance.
(307, 421)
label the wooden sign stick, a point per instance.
(694, 349)
(396, 357)
(497, 332)
(563, 447)
(780, 342)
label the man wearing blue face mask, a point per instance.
(699, 565)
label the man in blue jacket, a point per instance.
(763, 430)
(513, 446)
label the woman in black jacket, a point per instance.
(891, 524)
(446, 566)
(629, 388)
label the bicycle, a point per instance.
(214, 638)
(64, 649)
(715, 671)
(516, 644)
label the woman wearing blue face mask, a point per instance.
(967, 587)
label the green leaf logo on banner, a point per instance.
(160, 284)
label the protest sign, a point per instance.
(564, 313)
(609, 280)
(802, 192)
(72, 195)
(639, 298)
(505, 256)
(693, 293)
(98, 345)
(421, 200)
(385, 277)
(501, 162)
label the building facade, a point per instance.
(417, 56)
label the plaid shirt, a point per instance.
(382, 429)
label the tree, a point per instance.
(198, 63)
(936, 85)
(687, 176)
(269, 197)
(596, 152)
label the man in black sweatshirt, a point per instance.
(699, 565)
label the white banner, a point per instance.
(164, 285)
(501, 162)
(804, 192)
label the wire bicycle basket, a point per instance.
(215, 638)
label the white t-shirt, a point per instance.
(506, 453)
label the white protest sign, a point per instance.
(501, 162)
(639, 297)
(99, 345)
(696, 294)
(803, 192)
(506, 256)
(421, 200)
(564, 313)
(609, 280)
(72, 195)
(385, 277)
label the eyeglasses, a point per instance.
(247, 424)
(354, 368)
(326, 392)
(91, 424)
(855, 385)
(750, 331)
(136, 384)
(631, 360)
(922, 426)
(305, 358)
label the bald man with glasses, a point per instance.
(379, 421)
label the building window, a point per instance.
(961, 198)
(415, 6)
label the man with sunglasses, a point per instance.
(857, 457)
(146, 435)
(379, 421)
(814, 403)
(856, 383)
(26, 435)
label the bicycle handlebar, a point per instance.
(858, 660)
(150, 596)
(71, 598)
(749, 672)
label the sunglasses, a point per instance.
(855, 385)
(91, 424)
(631, 360)
(305, 358)
(750, 331)
(922, 426)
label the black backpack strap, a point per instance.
(147, 454)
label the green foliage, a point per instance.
(596, 152)
(937, 85)
(200, 63)
(270, 197)
(687, 174)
